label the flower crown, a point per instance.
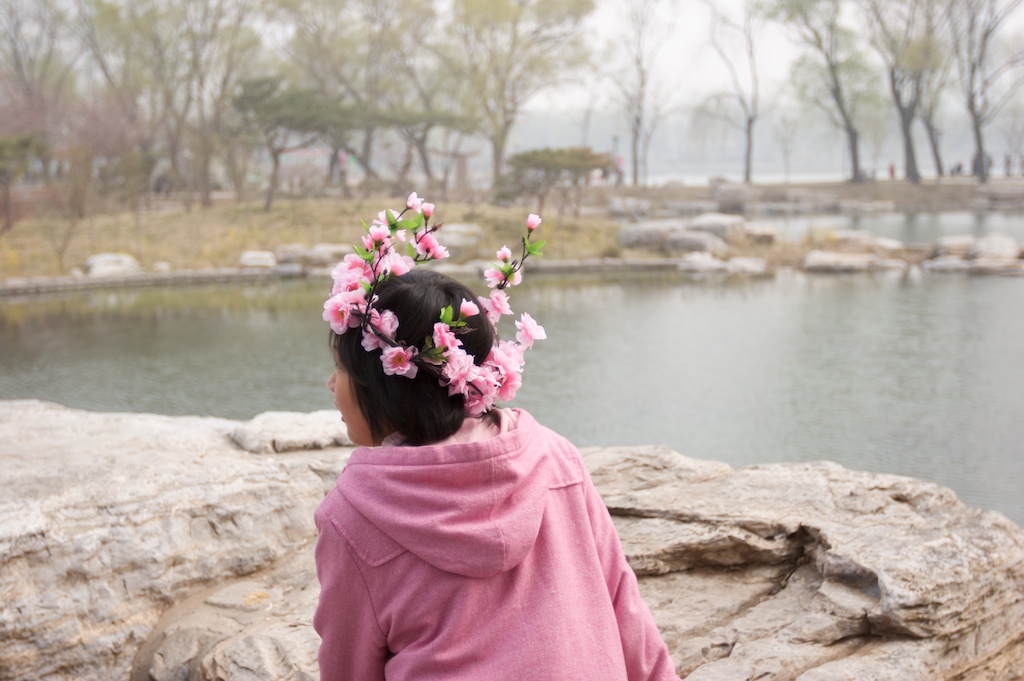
(388, 250)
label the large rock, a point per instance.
(995, 246)
(107, 520)
(111, 265)
(729, 228)
(650, 235)
(701, 242)
(199, 565)
(287, 431)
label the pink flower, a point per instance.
(395, 263)
(426, 243)
(428, 209)
(504, 254)
(512, 383)
(533, 221)
(499, 299)
(339, 307)
(438, 252)
(413, 202)
(468, 309)
(495, 306)
(507, 357)
(458, 371)
(529, 331)
(494, 276)
(378, 233)
(386, 323)
(481, 393)
(382, 218)
(349, 274)
(398, 361)
(444, 338)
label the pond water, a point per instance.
(910, 228)
(918, 375)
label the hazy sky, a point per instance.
(688, 70)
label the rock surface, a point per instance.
(286, 431)
(138, 547)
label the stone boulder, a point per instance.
(958, 245)
(628, 207)
(691, 241)
(946, 263)
(287, 431)
(748, 266)
(107, 520)
(111, 265)
(197, 562)
(995, 246)
(702, 263)
(650, 235)
(728, 228)
(257, 260)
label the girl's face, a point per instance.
(345, 399)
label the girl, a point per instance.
(463, 541)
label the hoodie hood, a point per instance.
(471, 508)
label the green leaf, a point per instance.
(534, 248)
(412, 224)
(391, 217)
(363, 253)
(446, 314)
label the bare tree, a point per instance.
(833, 75)
(1013, 134)
(786, 132)
(901, 35)
(509, 50)
(643, 99)
(37, 62)
(739, 107)
(936, 82)
(989, 73)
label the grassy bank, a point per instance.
(216, 236)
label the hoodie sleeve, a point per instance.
(646, 655)
(352, 645)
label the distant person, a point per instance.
(1008, 165)
(463, 541)
(892, 171)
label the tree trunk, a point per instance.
(749, 150)
(205, 160)
(498, 142)
(933, 141)
(272, 186)
(980, 164)
(366, 159)
(909, 158)
(634, 148)
(8, 209)
(424, 153)
(853, 142)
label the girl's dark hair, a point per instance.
(420, 409)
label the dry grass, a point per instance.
(216, 236)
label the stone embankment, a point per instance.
(715, 243)
(145, 547)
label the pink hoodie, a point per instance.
(487, 556)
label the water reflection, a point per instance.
(913, 375)
(910, 228)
